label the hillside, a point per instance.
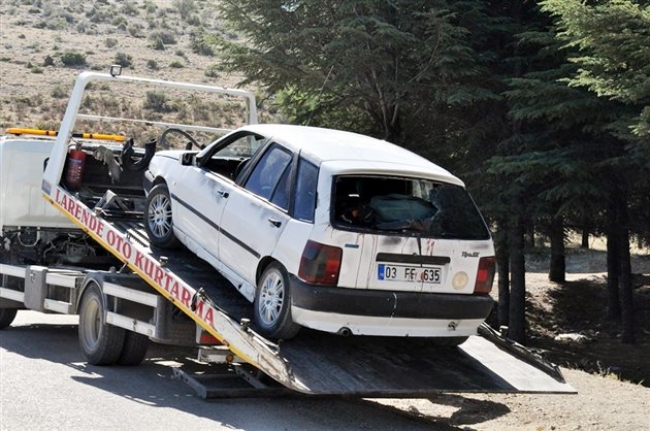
(45, 43)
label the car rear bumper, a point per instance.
(376, 312)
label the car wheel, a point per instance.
(158, 218)
(272, 305)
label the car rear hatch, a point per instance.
(412, 235)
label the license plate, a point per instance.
(413, 274)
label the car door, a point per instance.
(256, 213)
(205, 186)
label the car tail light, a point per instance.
(485, 275)
(320, 264)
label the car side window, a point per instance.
(306, 185)
(271, 175)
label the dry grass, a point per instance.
(38, 36)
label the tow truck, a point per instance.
(72, 241)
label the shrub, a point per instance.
(157, 101)
(176, 64)
(199, 42)
(135, 29)
(123, 59)
(185, 8)
(36, 69)
(59, 93)
(166, 37)
(48, 61)
(71, 59)
(129, 9)
(110, 42)
(212, 71)
(152, 65)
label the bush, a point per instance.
(152, 65)
(123, 59)
(200, 44)
(135, 30)
(72, 59)
(176, 64)
(129, 9)
(212, 71)
(48, 61)
(165, 36)
(157, 101)
(59, 93)
(36, 69)
(110, 42)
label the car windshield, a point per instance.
(406, 206)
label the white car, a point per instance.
(328, 230)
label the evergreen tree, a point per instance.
(383, 68)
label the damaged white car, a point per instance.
(328, 230)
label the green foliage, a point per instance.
(48, 61)
(110, 42)
(123, 59)
(176, 65)
(186, 8)
(59, 93)
(610, 41)
(162, 38)
(202, 43)
(152, 65)
(391, 62)
(73, 59)
(158, 101)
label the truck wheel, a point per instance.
(158, 218)
(100, 343)
(134, 349)
(272, 305)
(7, 315)
(450, 341)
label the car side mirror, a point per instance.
(189, 159)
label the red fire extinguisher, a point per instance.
(75, 168)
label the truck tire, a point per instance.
(450, 341)
(158, 218)
(100, 343)
(272, 305)
(134, 349)
(7, 315)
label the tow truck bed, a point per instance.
(330, 364)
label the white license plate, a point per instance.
(413, 274)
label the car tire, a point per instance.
(272, 305)
(158, 218)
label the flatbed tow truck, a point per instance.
(87, 253)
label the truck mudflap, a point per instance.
(314, 362)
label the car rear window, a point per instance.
(406, 206)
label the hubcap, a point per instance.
(271, 298)
(160, 215)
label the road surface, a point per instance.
(45, 384)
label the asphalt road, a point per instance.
(45, 384)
